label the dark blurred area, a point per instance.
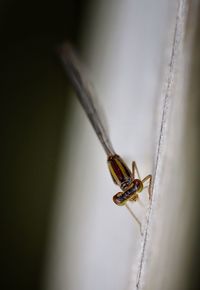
(192, 151)
(34, 107)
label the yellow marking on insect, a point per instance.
(113, 173)
(119, 163)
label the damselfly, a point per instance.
(121, 174)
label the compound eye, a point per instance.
(119, 198)
(138, 185)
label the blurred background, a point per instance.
(35, 107)
(60, 229)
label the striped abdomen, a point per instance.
(120, 173)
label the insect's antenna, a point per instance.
(135, 218)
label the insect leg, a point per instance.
(149, 177)
(135, 218)
(135, 170)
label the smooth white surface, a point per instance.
(94, 243)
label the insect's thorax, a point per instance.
(120, 172)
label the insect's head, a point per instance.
(129, 194)
(138, 185)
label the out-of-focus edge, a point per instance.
(176, 43)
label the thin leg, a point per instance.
(141, 203)
(135, 218)
(135, 170)
(148, 177)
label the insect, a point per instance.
(127, 181)
(121, 174)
